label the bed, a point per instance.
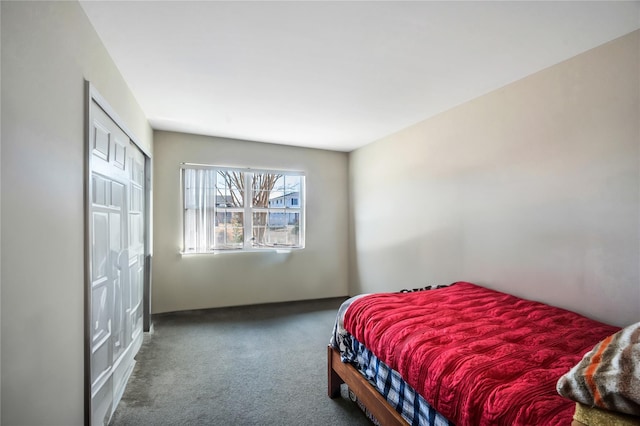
(459, 355)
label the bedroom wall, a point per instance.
(320, 270)
(48, 50)
(532, 189)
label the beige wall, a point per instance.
(202, 281)
(48, 50)
(532, 189)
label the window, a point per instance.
(241, 209)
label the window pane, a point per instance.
(275, 229)
(264, 187)
(278, 187)
(229, 231)
(259, 229)
(292, 184)
(292, 229)
(189, 189)
(229, 189)
(189, 230)
(198, 210)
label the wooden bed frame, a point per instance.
(340, 372)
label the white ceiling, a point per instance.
(335, 74)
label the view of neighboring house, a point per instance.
(281, 218)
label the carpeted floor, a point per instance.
(255, 365)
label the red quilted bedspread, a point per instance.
(478, 356)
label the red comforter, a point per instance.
(478, 356)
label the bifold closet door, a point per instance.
(116, 261)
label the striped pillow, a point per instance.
(608, 376)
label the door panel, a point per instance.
(117, 258)
(120, 153)
(100, 141)
(101, 256)
(101, 329)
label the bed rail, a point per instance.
(339, 372)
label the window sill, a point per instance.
(283, 250)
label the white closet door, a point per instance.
(116, 261)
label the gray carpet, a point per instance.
(257, 365)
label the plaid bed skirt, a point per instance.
(415, 410)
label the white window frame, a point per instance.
(248, 209)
